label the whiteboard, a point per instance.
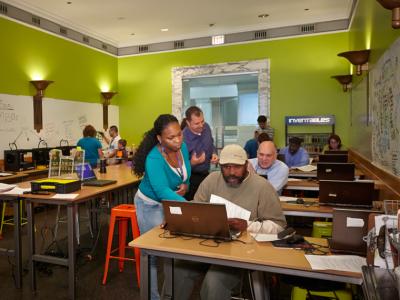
(62, 119)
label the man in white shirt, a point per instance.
(266, 163)
(112, 142)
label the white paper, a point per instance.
(265, 237)
(5, 174)
(391, 222)
(6, 187)
(354, 222)
(65, 196)
(286, 198)
(307, 168)
(17, 191)
(175, 210)
(347, 263)
(233, 210)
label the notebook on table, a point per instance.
(88, 176)
(349, 228)
(335, 171)
(342, 158)
(346, 193)
(198, 219)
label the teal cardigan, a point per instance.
(160, 182)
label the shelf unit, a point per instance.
(313, 142)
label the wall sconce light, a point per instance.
(344, 80)
(40, 86)
(357, 58)
(106, 102)
(394, 6)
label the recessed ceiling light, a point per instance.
(263, 15)
(164, 29)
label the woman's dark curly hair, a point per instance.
(149, 141)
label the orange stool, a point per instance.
(122, 213)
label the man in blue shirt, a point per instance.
(198, 138)
(295, 155)
(266, 163)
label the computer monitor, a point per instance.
(335, 171)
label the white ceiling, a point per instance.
(123, 23)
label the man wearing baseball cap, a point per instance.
(249, 191)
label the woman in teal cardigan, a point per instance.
(163, 160)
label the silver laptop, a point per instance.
(197, 219)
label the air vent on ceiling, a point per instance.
(3, 8)
(143, 48)
(36, 20)
(63, 30)
(307, 28)
(85, 39)
(104, 46)
(179, 44)
(260, 35)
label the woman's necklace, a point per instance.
(176, 164)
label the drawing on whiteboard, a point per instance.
(83, 121)
(62, 119)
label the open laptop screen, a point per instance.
(85, 172)
(335, 171)
(349, 228)
(333, 158)
(199, 219)
(346, 193)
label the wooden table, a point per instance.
(13, 178)
(125, 179)
(251, 255)
(311, 208)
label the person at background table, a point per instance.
(91, 145)
(334, 143)
(163, 160)
(121, 150)
(251, 145)
(235, 183)
(262, 123)
(266, 163)
(198, 138)
(295, 155)
(112, 142)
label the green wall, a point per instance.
(78, 71)
(371, 29)
(300, 80)
(300, 70)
